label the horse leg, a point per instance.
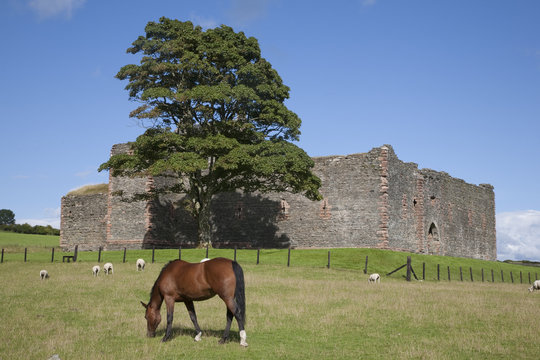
(193, 316)
(231, 312)
(169, 302)
(227, 327)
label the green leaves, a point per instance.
(188, 77)
(217, 118)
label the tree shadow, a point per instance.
(238, 219)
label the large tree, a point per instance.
(7, 217)
(216, 118)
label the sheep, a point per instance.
(374, 278)
(108, 268)
(43, 274)
(95, 270)
(535, 286)
(140, 264)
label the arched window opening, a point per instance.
(433, 232)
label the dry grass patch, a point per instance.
(292, 313)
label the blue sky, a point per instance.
(452, 85)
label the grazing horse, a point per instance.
(180, 281)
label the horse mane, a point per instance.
(159, 277)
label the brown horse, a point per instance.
(180, 281)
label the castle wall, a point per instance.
(128, 221)
(371, 199)
(83, 221)
(434, 213)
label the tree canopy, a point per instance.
(7, 217)
(216, 117)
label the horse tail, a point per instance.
(239, 292)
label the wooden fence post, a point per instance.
(25, 251)
(502, 276)
(52, 256)
(179, 253)
(124, 260)
(520, 278)
(365, 267)
(99, 255)
(470, 270)
(492, 278)
(448, 273)
(408, 268)
(328, 266)
(529, 277)
(2, 260)
(206, 251)
(438, 272)
(153, 253)
(235, 253)
(289, 257)
(423, 271)
(460, 274)
(482, 274)
(258, 252)
(511, 277)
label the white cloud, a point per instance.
(51, 216)
(243, 12)
(203, 22)
(51, 8)
(518, 235)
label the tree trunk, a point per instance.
(204, 225)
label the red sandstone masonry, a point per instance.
(373, 199)
(382, 233)
(419, 214)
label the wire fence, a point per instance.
(442, 273)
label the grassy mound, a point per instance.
(90, 189)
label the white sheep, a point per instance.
(140, 264)
(535, 286)
(108, 268)
(43, 274)
(95, 270)
(374, 278)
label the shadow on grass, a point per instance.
(178, 331)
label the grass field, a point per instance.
(304, 311)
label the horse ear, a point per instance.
(143, 304)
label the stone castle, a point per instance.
(370, 200)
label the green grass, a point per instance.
(292, 313)
(304, 311)
(380, 261)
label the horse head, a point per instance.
(153, 318)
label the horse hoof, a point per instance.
(198, 337)
(243, 343)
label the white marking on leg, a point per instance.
(243, 338)
(198, 337)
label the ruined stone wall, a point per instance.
(370, 200)
(434, 213)
(127, 221)
(83, 221)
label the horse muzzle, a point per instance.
(150, 333)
